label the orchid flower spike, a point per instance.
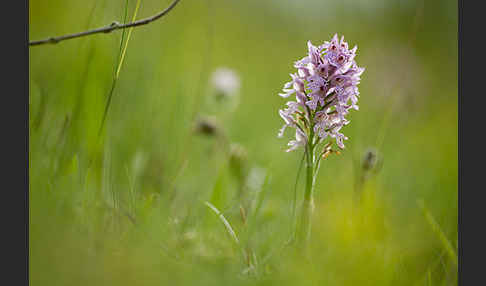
(326, 88)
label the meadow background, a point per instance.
(126, 206)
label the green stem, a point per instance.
(308, 203)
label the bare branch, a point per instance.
(106, 29)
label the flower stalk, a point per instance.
(308, 203)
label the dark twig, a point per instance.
(106, 29)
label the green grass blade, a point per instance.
(436, 228)
(224, 221)
(121, 57)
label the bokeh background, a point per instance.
(125, 206)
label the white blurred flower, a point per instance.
(226, 81)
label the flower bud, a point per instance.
(238, 161)
(207, 126)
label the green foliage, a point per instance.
(126, 206)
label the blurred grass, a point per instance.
(136, 215)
